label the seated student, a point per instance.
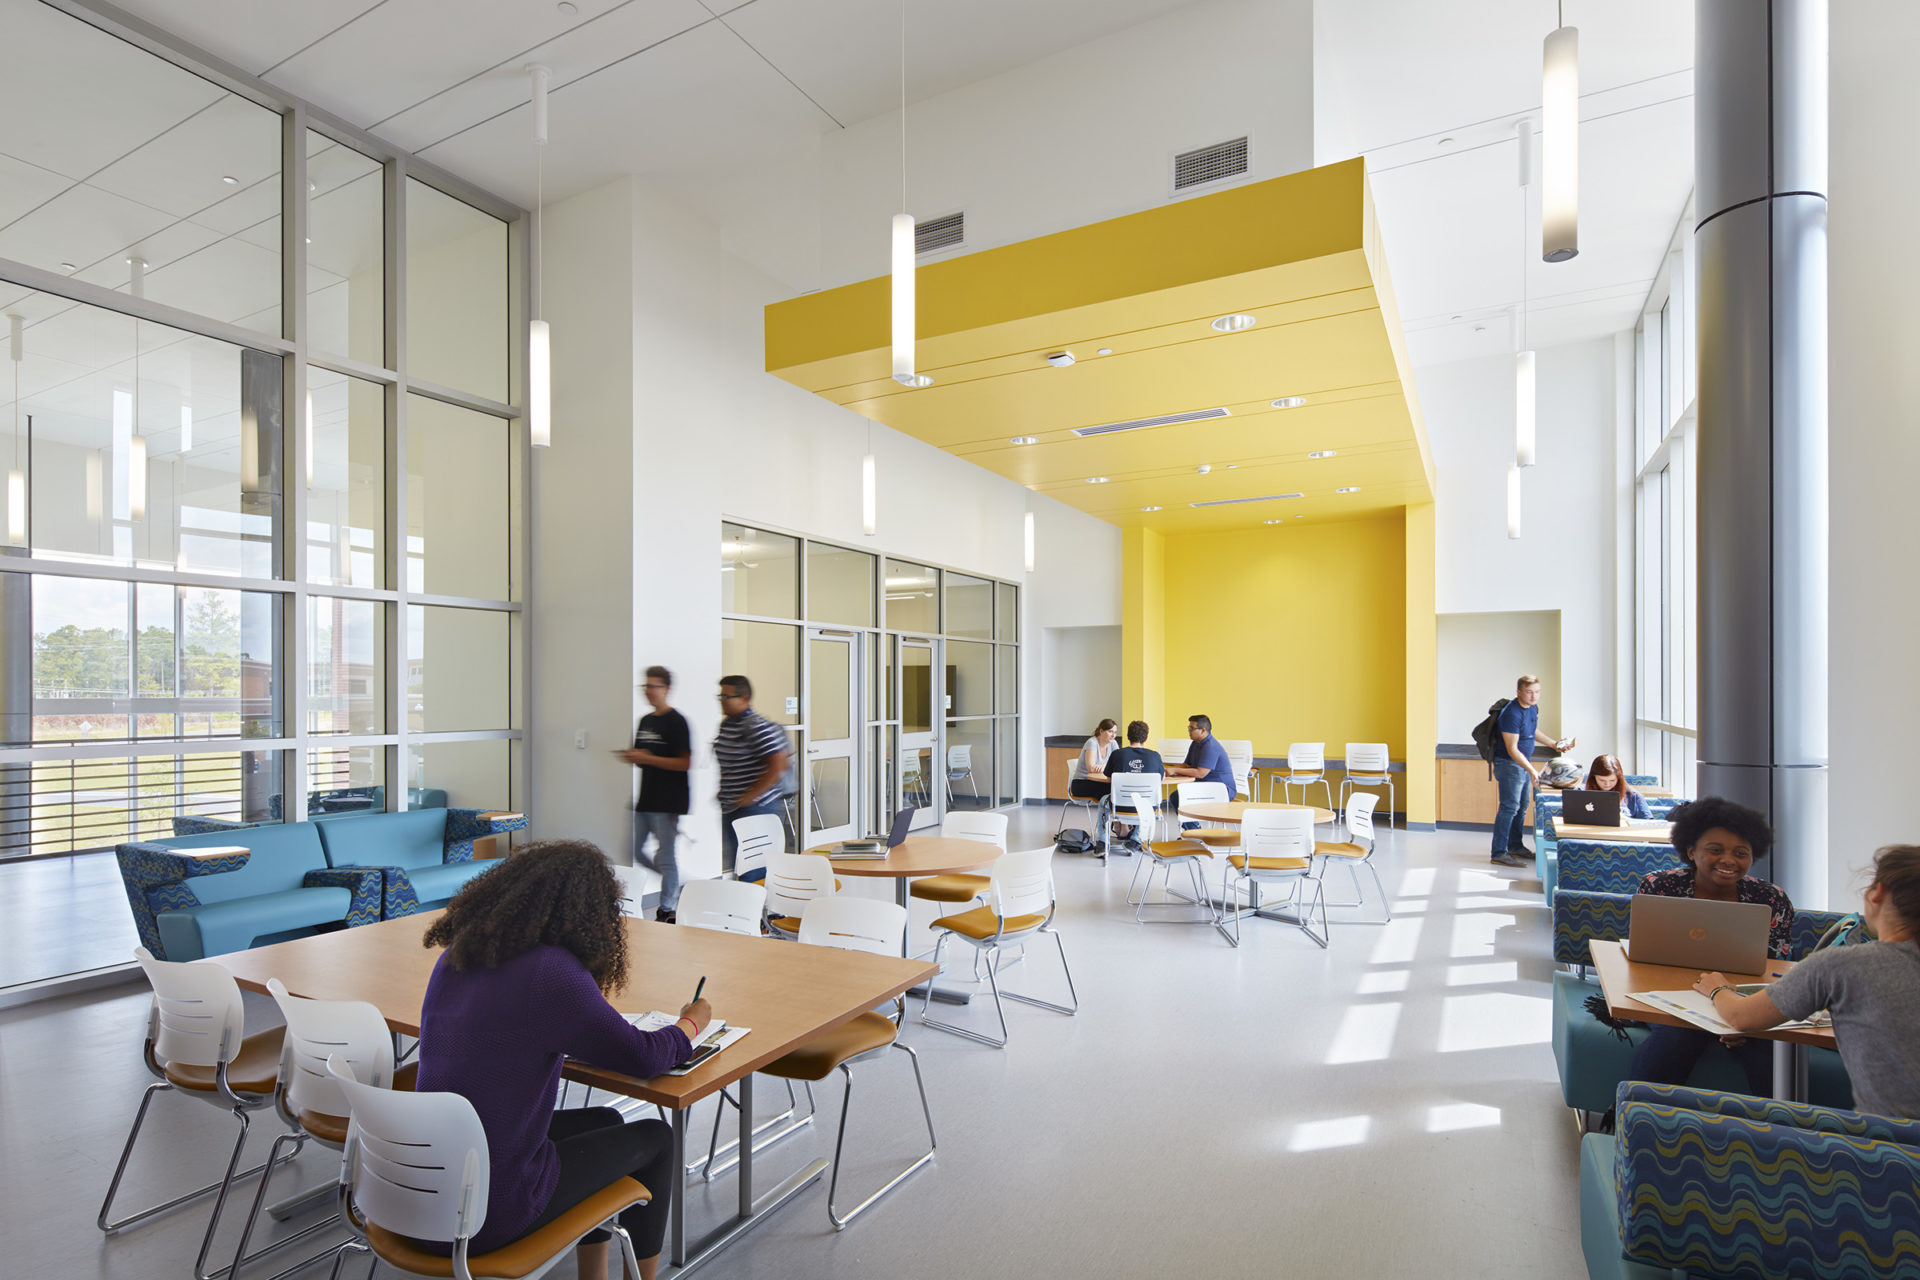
(1872, 989)
(532, 949)
(1135, 757)
(1605, 774)
(1719, 841)
(1089, 778)
(1206, 758)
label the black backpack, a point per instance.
(1486, 734)
(1074, 840)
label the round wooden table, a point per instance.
(1232, 810)
(917, 856)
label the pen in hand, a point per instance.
(698, 989)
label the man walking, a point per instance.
(753, 753)
(1514, 770)
(663, 752)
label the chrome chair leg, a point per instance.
(993, 984)
(340, 1257)
(240, 1255)
(629, 1264)
(220, 1201)
(846, 1107)
(717, 1149)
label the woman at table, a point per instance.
(1605, 774)
(533, 948)
(1090, 779)
(1871, 988)
(1718, 840)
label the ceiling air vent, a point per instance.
(1209, 164)
(1234, 502)
(944, 232)
(1141, 424)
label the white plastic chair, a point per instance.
(1127, 788)
(416, 1169)
(197, 1045)
(1161, 856)
(1357, 851)
(960, 765)
(990, 828)
(1021, 905)
(756, 836)
(726, 906)
(794, 882)
(1276, 847)
(1368, 766)
(1240, 760)
(1174, 750)
(1306, 767)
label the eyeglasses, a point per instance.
(732, 697)
(651, 685)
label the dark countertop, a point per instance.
(1068, 740)
(1467, 751)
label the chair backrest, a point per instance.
(197, 1019)
(1239, 752)
(1360, 816)
(1200, 792)
(988, 828)
(1128, 786)
(1022, 883)
(856, 924)
(794, 881)
(1174, 750)
(1367, 757)
(320, 1029)
(1307, 757)
(756, 836)
(726, 906)
(960, 757)
(417, 1162)
(1277, 833)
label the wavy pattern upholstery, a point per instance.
(464, 826)
(1726, 1185)
(1580, 916)
(1600, 867)
(155, 877)
(363, 882)
(1809, 926)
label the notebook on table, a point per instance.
(873, 846)
(716, 1037)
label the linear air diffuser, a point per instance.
(943, 232)
(1234, 502)
(1216, 163)
(1141, 424)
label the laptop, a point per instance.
(871, 846)
(1694, 933)
(1590, 808)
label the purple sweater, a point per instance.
(497, 1036)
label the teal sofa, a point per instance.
(1546, 808)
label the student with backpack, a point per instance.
(1505, 740)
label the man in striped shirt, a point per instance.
(753, 753)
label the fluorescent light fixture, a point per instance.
(1351, 488)
(1104, 351)
(186, 427)
(1289, 402)
(1023, 440)
(1560, 145)
(137, 477)
(309, 435)
(1324, 453)
(1513, 502)
(869, 496)
(1233, 323)
(1028, 532)
(1273, 522)
(16, 507)
(1150, 508)
(539, 385)
(1096, 479)
(903, 302)
(1523, 409)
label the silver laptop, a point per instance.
(1695, 933)
(1590, 808)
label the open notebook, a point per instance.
(718, 1036)
(1697, 1009)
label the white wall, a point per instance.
(1874, 276)
(1564, 559)
(658, 441)
(1081, 667)
(1481, 655)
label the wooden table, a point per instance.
(917, 856)
(787, 992)
(1619, 977)
(1639, 833)
(1233, 810)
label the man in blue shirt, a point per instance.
(1206, 758)
(1515, 772)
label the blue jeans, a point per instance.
(1516, 783)
(664, 828)
(1668, 1055)
(730, 844)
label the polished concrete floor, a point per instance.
(1384, 1107)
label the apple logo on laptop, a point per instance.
(1697, 934)
(1589, 806)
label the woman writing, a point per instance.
(1872, 989)
(1718, 840)
(532, 950)
(1605, 774)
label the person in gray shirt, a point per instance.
(1872, 990)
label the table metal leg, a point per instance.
(916, 993)
(677, 1212)
(746, 1145)
(1791, 1066)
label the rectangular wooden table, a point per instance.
(786, 992)
(1620, 977)
(1639, 833)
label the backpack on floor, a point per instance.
(1074, 840)
(1486, 734)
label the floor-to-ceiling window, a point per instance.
(264, 548)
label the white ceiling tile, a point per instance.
(251, 35)
(24, 186)
(181, 170)
(167, 245)
(81, 225)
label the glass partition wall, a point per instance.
(897, 681)
(265, 550)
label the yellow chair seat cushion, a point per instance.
(1344, 850)
(816, 1059)
(954, 888)
(332, 1130)
(786, 924)
(1268, 864)
(982, 923)
(255, 1069)
(1212, 835)
(524, 1256)
(1179, 849)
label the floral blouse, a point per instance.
(1678, 883)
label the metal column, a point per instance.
(1760, 138)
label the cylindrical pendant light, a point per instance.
(903, 300)
(1523, 410)
(869, 496)
(96, 488)
(1524, 399)
(307, 423)
(137, 440)
(1560, 145)
(539, 348)
(1513, 502)
(1029, 541)
(539, 385)
(16, 507)
(16, 479)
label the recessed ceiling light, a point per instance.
(1289, 402)
(1096, 479)
(1233, 466)
(916, 380)
(68, 266)
(1149, 508)
(1204, 467)
(1233, 323)
(1352, 488)
(1023, 439)
(1273, 522)
(1324, 453)
(1060, 359)
(229, 179)
(1105, 351)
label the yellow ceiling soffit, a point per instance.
(1301, 253)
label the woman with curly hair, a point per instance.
(532, 950)
(1718, 840)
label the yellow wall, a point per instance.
(1143, 632)
(1422, 657)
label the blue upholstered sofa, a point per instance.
(285, 879)
(1720, 1184)
(1546, 807)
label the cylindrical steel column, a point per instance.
(1760, 145)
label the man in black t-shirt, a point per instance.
(1135, 757)
(663, 752)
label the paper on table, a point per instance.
(1695, 1008)
(716, 1037)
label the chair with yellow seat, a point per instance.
(197, 1046)
(1020, 906)
(1163, 856)
(1356, 851)
(1128, 787)
(1306, 769)
(1186, 793)
(795, 881)
(1276, 847)
(988, 828)
(878, 928)
(416, 1169)
(1368, 765)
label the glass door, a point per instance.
(833, 714)
(917, 779)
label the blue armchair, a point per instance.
(424, 855)
(1723, 1184)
